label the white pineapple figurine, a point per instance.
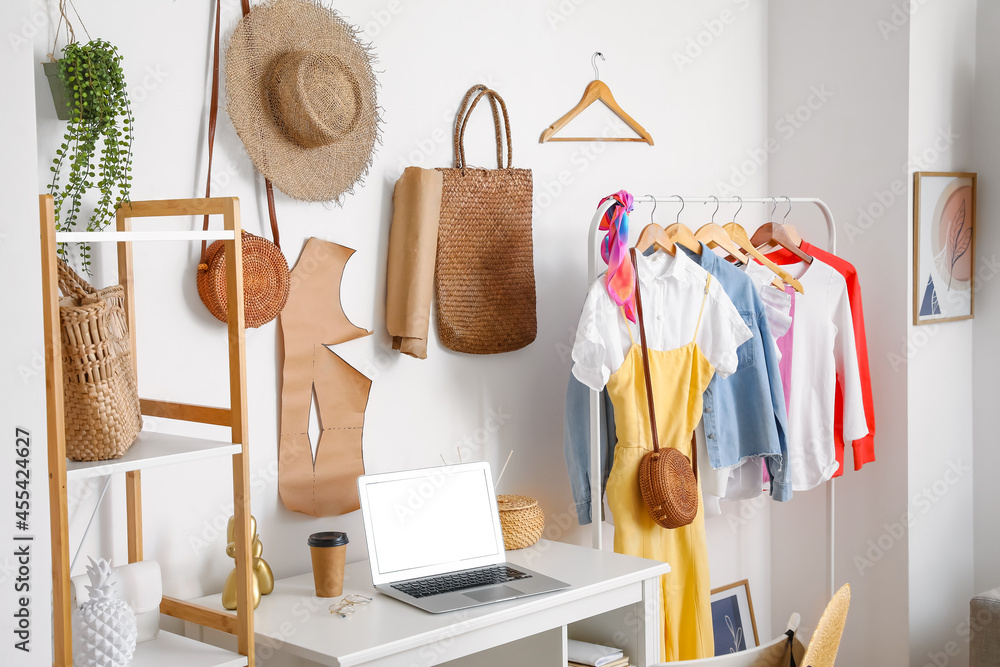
(104, 627)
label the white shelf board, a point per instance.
(153, 450)
(170, 650)
(122, 237)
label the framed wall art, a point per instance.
(944, 242)
(732, 618)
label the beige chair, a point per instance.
(772, 654)
(822, 651)
(825, 641)
(984, 627)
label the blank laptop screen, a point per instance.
(430, 520)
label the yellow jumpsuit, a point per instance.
(680, 377)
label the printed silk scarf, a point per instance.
(614, 250)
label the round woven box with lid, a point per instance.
(521, 519)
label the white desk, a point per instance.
(612, 600)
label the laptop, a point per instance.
(434, 539)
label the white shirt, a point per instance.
(742, 481)
(777, 303)
(673, 289)
(822, 348)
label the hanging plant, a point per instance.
(99, 114)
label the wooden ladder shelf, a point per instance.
(151, 450)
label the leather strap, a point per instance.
(270, 212)
(647, 374)
(213, 116)
(645, 355)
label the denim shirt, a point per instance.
(576, 444)
(744, 414)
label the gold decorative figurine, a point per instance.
(263, 578)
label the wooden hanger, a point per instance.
(713, 235)
(678, 232)
(740, 237)
(793, 233)
(682, 234)
(654, 235)
(773, 232)
(596, 90)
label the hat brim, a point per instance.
(270, 30)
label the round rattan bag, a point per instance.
(265, 280)
(521, 520)
(669, 487)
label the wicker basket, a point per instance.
(521, 519)
(101, 400)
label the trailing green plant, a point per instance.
(100, 113)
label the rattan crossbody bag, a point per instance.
(668, 480)
(265, 270)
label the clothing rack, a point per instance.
(595, 268)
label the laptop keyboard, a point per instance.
(457, 581)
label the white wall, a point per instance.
(22, 360)
(987, 322)
(940, 356)
(703, 104)
(846, 150)
(712, 81)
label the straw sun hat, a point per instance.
(301, 94)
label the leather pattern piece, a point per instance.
(313, 319)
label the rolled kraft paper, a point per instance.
(329, 554)
(416, 210)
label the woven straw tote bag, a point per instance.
(101, 399)
(265, 269)
(485, 273)
(668, 480)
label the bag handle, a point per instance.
(646, 373)
(460, 123)
(71, 283)
(213, 115)
(463, 119)
(494, 99)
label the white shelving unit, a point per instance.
(153, 449)
(170, 650)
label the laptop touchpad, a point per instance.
(494, 593)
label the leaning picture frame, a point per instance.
(944, 244)
(735, 627)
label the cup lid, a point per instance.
(328, 539)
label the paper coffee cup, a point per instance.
(329, 552)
